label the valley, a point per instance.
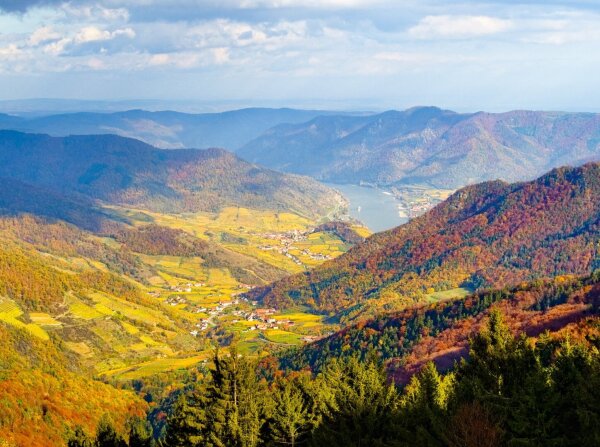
(186, 305)
(135, 267)
(283, 223)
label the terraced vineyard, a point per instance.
(179, 307)
(10, 313)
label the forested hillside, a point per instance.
(46, 395)
(429, 145)
(440, 332)
(512, 390)
(490, 234)
(128, 172)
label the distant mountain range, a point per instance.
(123, 171)
(167, 130)
(429, 145)
(490, 234)
(424, 145)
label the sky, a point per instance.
(465, 55)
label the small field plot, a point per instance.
(450, 294)
(9, 312)
(132, 311)
(83, 311)
(80, 348)
(282, 337)
(301, 320)
(43, 319)
(154, 367)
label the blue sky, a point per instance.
(360, 54)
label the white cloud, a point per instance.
(95, 34)
(159, 59)
(10, 51)
(457, 27)
(43, 34)
(342, 4)
(566, 28)
(91, 34)
(221, 55)
(95, 64)
(57, 48)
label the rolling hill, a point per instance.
(167, 130)
(429, 145)
(124, 171)
(490, 234)
(440, 333)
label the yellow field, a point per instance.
(43, 319)
(301, 319)
(448, 294)
(130, 310)
(130, 328)
(283, 337)
(80, 348)
(154, 367)
(9, 312)
(83, 311)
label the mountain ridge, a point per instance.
(129, 172)
(165, 129)
(429, 145)
(486, 234)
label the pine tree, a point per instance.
(423, 407)
(291, 416)
(359, 405)
(576, 384)
(140, 433)
(233, 403)
(186, 423)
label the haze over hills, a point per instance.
(429, 145)
(165, 129)
(128, 172)
(488, 234)
(421, 145)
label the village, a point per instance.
(262, 318)
(286, 244)
(414, 201)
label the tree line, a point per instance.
(512, 391)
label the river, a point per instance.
(374, 207)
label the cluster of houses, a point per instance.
(416, 209)
(286, 241)
(286, 244)
(316, 256)
(263, 318)
(175, 300)
(186, 287)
